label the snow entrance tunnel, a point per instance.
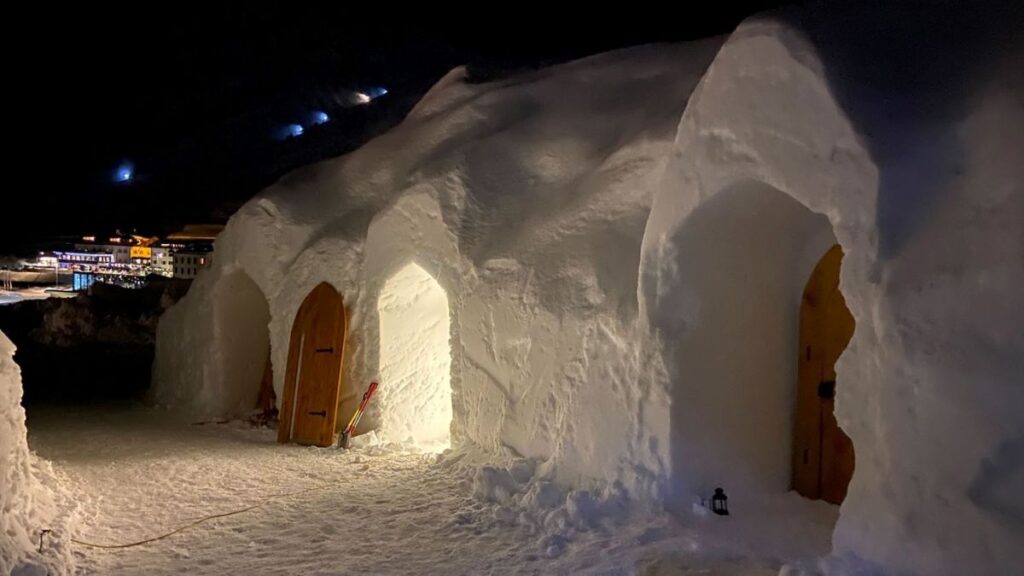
(415, 360)
(743, 260)
(242, 319)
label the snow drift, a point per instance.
(28, 499)
(622, 264)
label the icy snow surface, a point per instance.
(139, 473)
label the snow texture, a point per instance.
(416, 361)
(525, 211)
(372, 510)
(915, 168)
(623, 241)
(30, 495)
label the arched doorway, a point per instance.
(729, 320)
(415, 360)
(312, 386)
(243, 336)
(823, 457)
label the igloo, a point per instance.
(627, 269)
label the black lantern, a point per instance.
(719, 503)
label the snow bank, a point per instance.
(28, 500)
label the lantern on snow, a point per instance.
(719, 503)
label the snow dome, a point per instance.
(791, 258)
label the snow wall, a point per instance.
(525, 201)
(28, 502)
(908, 145)
(623, 277)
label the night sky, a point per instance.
(194, 98)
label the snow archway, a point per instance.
(742, 260)
(243, 336)
(415, 360)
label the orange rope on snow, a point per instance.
(266, 500)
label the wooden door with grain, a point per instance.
(309, 406)
(823, 457)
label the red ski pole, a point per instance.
(351, 428)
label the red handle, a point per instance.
(366, 397)
(362, 407)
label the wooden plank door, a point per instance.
(823, 457)
(309, 407)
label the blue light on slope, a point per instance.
(125, 172)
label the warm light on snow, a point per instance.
(415, 363)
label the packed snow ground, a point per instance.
(139, 473)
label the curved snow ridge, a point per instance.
(447, 91)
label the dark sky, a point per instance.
(193, 96)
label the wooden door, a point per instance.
(312, 386)
(823, 457)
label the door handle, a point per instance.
(325, 350)
(827, 389)
(320, 413)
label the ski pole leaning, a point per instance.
(351, 428)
